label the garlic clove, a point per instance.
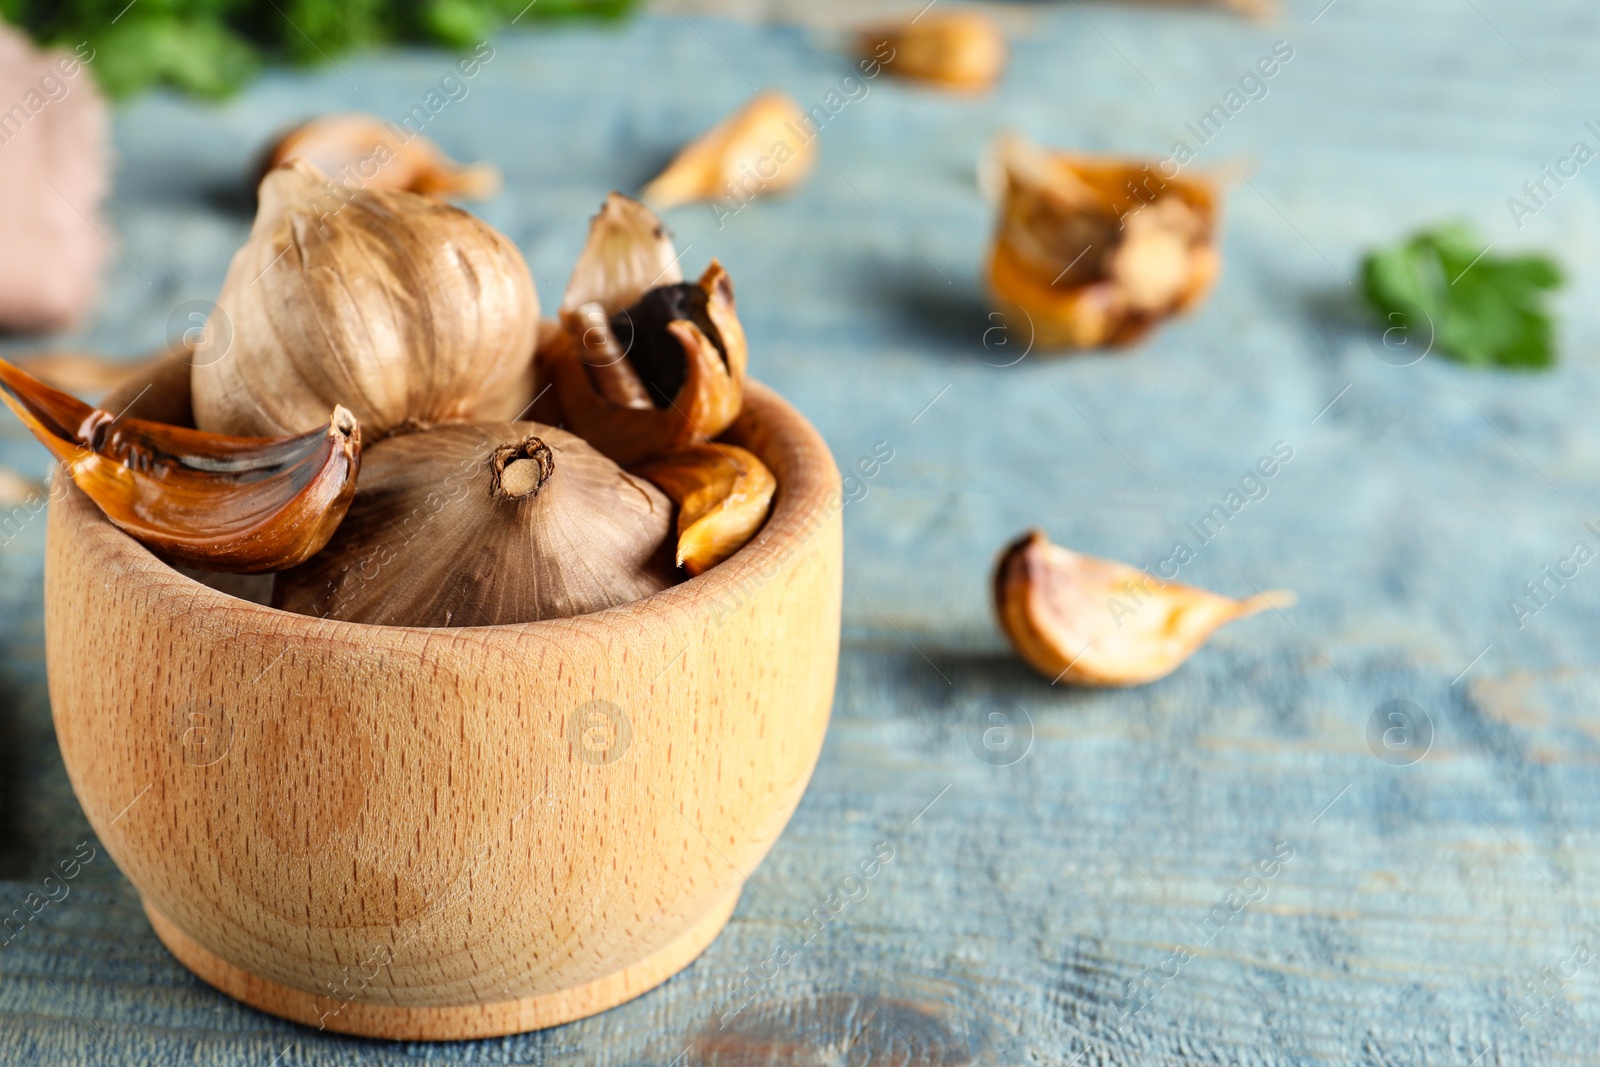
(762, 148)
(953, 49)
(487, 524)
(684, 352)
(235, 504)
(722, 492)
(1098, 622)
(1095, 252)
(363, 151)
(717, 290)
(1152, 264)
(1258, 9)
(628, 252)
(404, 309)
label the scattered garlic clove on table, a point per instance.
(952, 49)
(363, 152)
(762, 148)
(1251, 8)
(1098, 622)
(722, 492)
(1093, 252)
(235, 504)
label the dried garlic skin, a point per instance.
(722, 492)
(363, 151)
(628, 252)
(961, 50)
(1096, 252)
(486, 525)
(643, 363)
(240, 505)
(762, 148)
(404, 309)
(1098, 622)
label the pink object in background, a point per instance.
(53, 175)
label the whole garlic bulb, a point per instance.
(400, 307)
(484, 525)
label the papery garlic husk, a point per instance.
(722, 492)
(952, 49)
(406, 310)
(628, 252)
(241, 505)
(662, 374)
(1097, 251)
(486, 525)
(644, 363)
(1097, 622)
(765, 147)
(362, 151)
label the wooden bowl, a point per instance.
(445, 833)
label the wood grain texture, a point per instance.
(447, 833)
(1021, 905)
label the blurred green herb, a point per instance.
(1481, 309)
(213, 47)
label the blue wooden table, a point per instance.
(1098, 893)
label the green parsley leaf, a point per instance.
(212, 47)
(1481, 309)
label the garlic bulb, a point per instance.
(401, 308)
(483, 525)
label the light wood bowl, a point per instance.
(445, 833)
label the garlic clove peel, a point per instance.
(628, 252)
(487, 524)
(961, 50)
(1098, 622)
(1096, 252)
(363, 151)
(663, 373)
(722, 492)
(234, 504)
(760, 149)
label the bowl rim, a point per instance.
(808, 499)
